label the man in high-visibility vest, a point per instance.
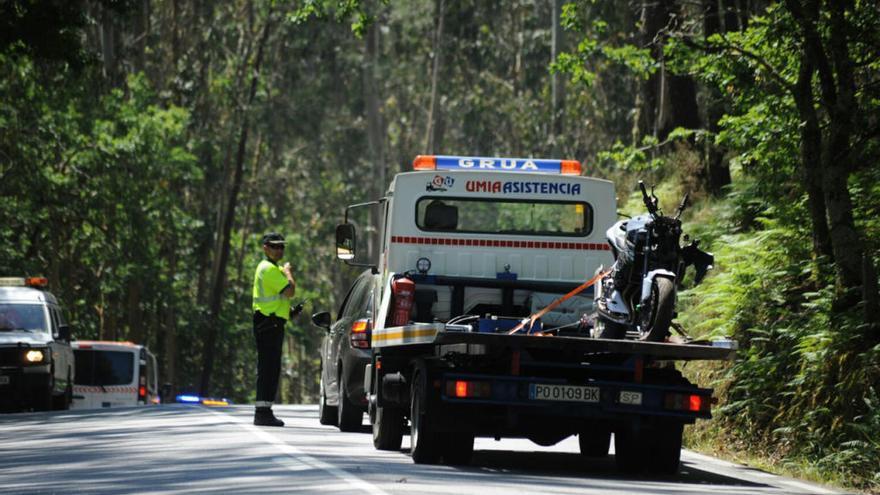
(274, 286)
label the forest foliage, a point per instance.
(146, 145)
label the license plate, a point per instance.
(630, 398)
(4, 380)
(563, 393)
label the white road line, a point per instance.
(810, 488)
(301, 457)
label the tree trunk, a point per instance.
(375, 135)
(433, 106)
(557, 84)
(811, 157)
(219, 277)
(717, 174)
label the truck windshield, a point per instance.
(26, 317)
(103, 367)
(493, 216)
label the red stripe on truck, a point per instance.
(583, 246)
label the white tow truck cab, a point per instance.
(36, 362)
(492, 238)
(114, 374)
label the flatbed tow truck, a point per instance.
(457, 349)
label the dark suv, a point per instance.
(345, 351)
(36, 361)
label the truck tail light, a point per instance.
(461, 389)
(142, 393)
(360, 333)
(688, 402)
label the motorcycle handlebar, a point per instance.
(652, 207)
(683, 205)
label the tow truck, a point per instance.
(484, 326)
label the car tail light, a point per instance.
(688, 402)
(360, 333)
(461, 389)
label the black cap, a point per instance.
(273, 238)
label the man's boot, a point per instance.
(263, 417)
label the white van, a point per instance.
(113, 374)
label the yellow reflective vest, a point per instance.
(269, 282)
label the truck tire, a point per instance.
(595, 441)
(424, 443)
(388, 428)
(458, 448)
(657, 313)
(664, 448)
(350, 415)
(326, 413)
(629, 453)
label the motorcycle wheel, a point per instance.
(656, 315)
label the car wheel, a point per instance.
(62, 402)
(388, 428)
(326, 413)
(350, 415)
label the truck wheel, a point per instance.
(594, 442)
(388, 428)
(664, 448)
(425, 444)
(629, 452)
(349, 415)
(657, 314)
(458, 448)
(326, 413)
(608, 329)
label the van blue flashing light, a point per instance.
(189, 399)
(439, 162)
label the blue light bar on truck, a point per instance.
(439, 162)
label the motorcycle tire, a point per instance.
(658, 311)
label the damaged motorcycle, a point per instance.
(636, 298)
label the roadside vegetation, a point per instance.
(145, 145)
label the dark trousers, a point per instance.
(269, 334)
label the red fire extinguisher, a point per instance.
(403, 289)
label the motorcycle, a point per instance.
(637, 296)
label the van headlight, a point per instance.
(34, 356)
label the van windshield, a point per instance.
(494, 216)
(103, 367)
(27, 317)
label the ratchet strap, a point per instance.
(531, 319)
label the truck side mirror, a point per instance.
(345, 241)
(64, 332)
(322, 320)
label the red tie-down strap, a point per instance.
(531, 319)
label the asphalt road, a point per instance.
(194, 449)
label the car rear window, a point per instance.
(95, 367)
